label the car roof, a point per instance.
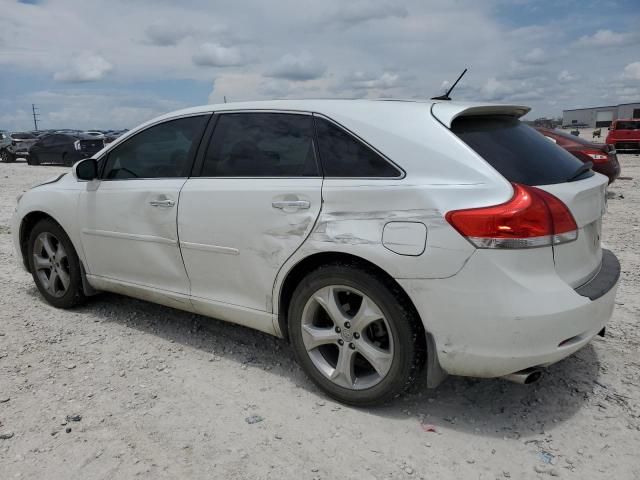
(444, 111)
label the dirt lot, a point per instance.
(167, 394)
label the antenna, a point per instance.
(446, 95)
(35, 113)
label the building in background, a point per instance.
(596, 117)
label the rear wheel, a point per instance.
(55, 265)
(353, 335)
(66, 161)
(6, 156)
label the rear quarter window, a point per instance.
(518, 152)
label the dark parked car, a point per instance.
(603, 156)
(64, 148)
(14, 145)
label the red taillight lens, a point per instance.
(532, 218)
(596, 156)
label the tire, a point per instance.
(50, 244)
(387, 333)
(7, 157)
(33, 159)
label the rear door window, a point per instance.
(517, 151)
(261, 145)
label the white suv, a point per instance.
(381, 238)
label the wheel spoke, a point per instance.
(64, 278)
(60, 253)
(41, 263)
(343, 373)
(379, 359)
(51, 284)
(326, 297)
(367, 313)
(313, 337)
(48, 247)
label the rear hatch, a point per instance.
(523, 156)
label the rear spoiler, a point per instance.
(447, 112)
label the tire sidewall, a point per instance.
(398, 377)
(74, 294)
(6, 156)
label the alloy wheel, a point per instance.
(347, 337)
(51, 264)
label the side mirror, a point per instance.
(87, 169)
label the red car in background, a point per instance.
(624, 134)
(602, 156)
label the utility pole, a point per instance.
(35, 116)
(225, 98)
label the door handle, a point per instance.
(291, 204)
(162, 203)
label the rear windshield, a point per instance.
(22, 136)
(517, 151)
(627, 125)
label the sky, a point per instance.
(116, 63)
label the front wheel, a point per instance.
(354, 335)
(33, 159)
(6, 156)
(54, 265)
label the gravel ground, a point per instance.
(121, 388)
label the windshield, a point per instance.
(22, 136)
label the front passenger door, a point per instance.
(129, 216)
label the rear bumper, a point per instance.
(504, 313)
(627, 145)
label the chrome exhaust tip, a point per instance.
(525, 377)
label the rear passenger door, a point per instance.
(253, 203)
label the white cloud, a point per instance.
(297, 68)
(565, 76)
(607, 38)
(632, 71)
(384, 81)
(216, 55)
(86, 67)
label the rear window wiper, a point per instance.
(584, 168)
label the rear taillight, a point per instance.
(532, 218)
(596, 156)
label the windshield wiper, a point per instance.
(585, 167)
